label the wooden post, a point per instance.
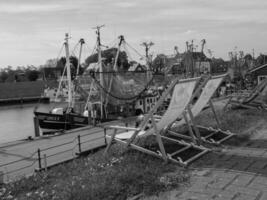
(215, 115)
(39, 159)
(45, 162)
(79, 144)
(36, 127)
(1, 177)
(159, 139)
(189, 127)
(194, 124)
(105, 135)
(110, 142)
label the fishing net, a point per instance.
(122, 87)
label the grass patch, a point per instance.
(119, 176)
(237, 121)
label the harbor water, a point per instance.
(17, 122)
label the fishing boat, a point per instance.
(63, 118)
(118, 94)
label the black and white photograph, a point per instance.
(133, 100)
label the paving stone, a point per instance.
(256, 152)
(264, 154)
(226, 165)
(260, 180)
(243, 180)
(219, 183)
(225, 174)
(203, 189)
(245, 197)
(194, 196)
(263, 196)
(258, 186)
(260, 164)
(243, 190)
(224, 194)
(242, 166)
(222, 198)
(200, 181)
(198, 188)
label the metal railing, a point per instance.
(41, 156)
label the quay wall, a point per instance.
(22, 92)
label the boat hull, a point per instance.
(49, 122)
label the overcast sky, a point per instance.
(32, 31)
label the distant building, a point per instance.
(259, 73)
(203, 67)
(219, 66)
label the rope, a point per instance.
(74, 49)
(128, 53)
(120, 98)
(59, 53)
(134, 50)
(93, 48)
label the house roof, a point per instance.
(134, 67)
(257, 68)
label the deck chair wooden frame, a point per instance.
(179, 155)
(210, 133)
(248, 100)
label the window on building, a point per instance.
(261, 78)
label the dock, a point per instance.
(25, 157)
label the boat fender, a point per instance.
(86, 113)
(57, 111)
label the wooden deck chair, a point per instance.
(167, 148)
(249, 100)
(210, 134)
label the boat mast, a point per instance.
(115, 66)
(77, 72)
(121, 40)
(68, 70)
(80, 55)
(100, 67)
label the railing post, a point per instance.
(36, 127)
(79, 144)
(39, 159)
(45, 162)
(105, 134)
